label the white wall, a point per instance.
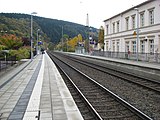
(145, 32)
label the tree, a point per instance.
(51, 46)
(2, 47)
(72, 43)
(80, 39)
(21, 53)
(15, 46)
(65, 37)
(11, 42)
(101, 37)
(19, 24)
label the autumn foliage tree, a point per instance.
(11, 42)
(14, 45)
(101, 37)
(72, 43)
(80, 39)
(69, 44)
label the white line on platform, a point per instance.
(33, 105)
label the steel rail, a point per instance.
(120, 76)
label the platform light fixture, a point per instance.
(33, 13)
(37, 41)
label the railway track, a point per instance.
(101, 102)
(141, 81)
(81, 102)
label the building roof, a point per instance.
(148, 1)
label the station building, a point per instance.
(121, 30)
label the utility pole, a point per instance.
(37, 41)
(87, 25)
(32, 33)
(62, 38)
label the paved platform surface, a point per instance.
(131, 62)
(148, 70)
(36, 88)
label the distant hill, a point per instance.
(19, 24)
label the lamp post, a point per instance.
(137, 32)
(87, 31)
(32, 33)
(90, 38)
(62, 38)
(37, 41)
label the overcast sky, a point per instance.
(70, 10)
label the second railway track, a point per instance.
(153, 85)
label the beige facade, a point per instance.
(120, 30)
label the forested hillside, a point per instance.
(51, 29)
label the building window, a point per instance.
(142, 46)
(117, 46)
(133, 22)
(151, 44)
(113, 27)
(127, 23)
(113, 46)
(107, 46)
(107, 28)
(151, 17)
(127, 46)
(117, 26)
(142, 19)
(134, 46)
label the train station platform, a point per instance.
(125, 61)
(35, 90)
(149, 70)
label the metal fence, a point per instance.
(147, 57)
(6, 61)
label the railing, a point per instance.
(6, 61)
(148, 57)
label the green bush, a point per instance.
(2, 47)
(21, 53)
